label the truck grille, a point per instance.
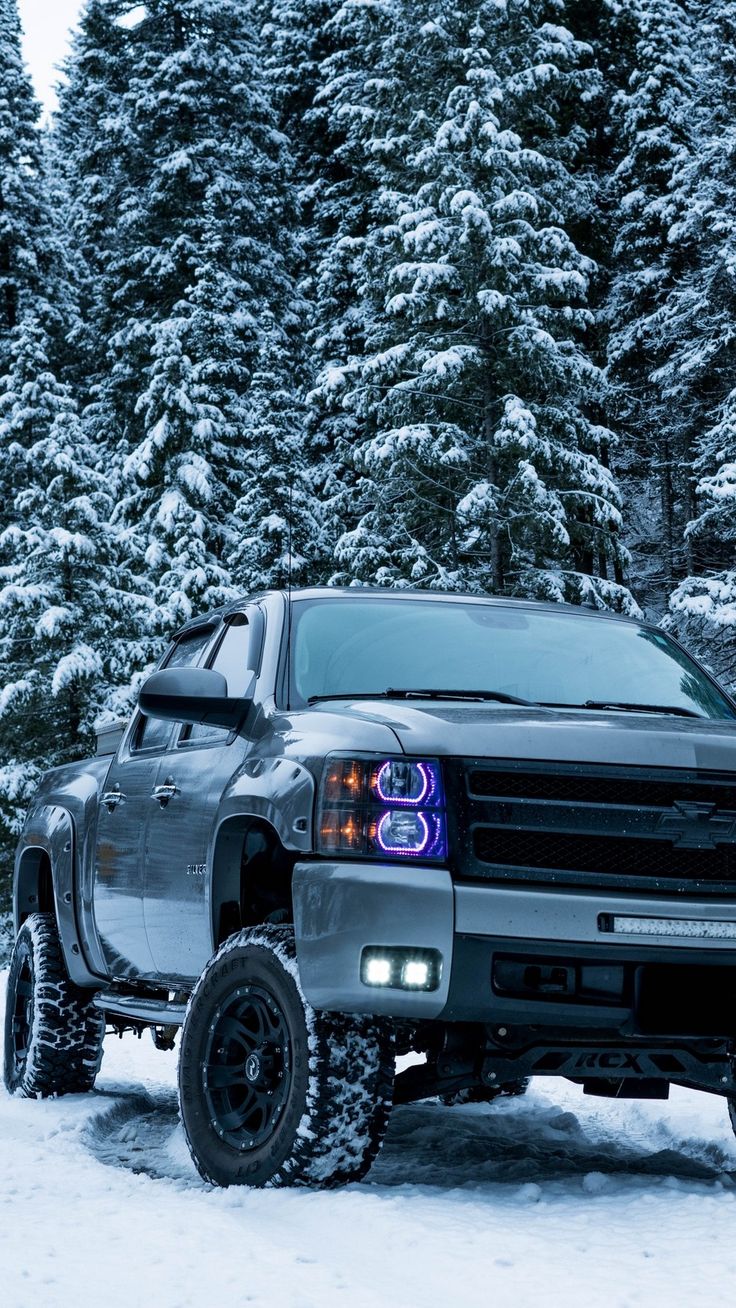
(579, 788)
(620, 827)
(613, 857)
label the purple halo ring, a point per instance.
(392, 799)
(402, 849)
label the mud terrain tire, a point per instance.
(53, 1034)
(271, 1092)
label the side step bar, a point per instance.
(156, 1012)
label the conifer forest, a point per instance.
(371, 292)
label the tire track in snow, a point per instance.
(438, 1147)
(141, 1133)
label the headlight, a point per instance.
(405, 782)
(392, 807)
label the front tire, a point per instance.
(271, 1091)
(53, 1033)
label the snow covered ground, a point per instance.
(553, 1199)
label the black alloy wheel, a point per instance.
(271, 1091)
(247, 1068)
(21, 1013)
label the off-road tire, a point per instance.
(485, 1094)
(61, 1050)
(339, 1070)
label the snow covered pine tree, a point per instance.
(200, 270)
(35, 308)
(653, 132)
(56, 598)
(27, 245)
(700, 373)
(480, 466)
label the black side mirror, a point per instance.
(194, 695)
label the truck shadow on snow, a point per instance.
(444, 1148)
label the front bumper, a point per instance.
(586, 976)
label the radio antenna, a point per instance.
(290, 537)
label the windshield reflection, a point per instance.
(345, 646)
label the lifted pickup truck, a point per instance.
(346, 825)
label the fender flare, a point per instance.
(280, 791)
(50, 831)
(277, 793)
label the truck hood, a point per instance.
(564, 735)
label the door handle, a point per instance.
(165, 792)
(111, 799)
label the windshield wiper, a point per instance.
(498, 696)
(675, 710)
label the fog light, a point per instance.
(415, 974)
(399, 968)
(377, 971)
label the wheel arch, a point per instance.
(43, 881)
(34, 889)
(251, 875)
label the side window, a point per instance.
(153, 733)
(231, 659)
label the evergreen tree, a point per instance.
(480, 464)
(26, 247)
(182, 478)
(191, 215)
(699, 374)
(60, 586)
(90, 150)
(280, 529)
(310, 49)
(654, 116)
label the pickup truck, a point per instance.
(348, 825)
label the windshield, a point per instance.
(368, 645)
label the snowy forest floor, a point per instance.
(553, 1197)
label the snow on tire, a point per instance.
(273, 1093)
(53, 1034)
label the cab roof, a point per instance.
(215, 616)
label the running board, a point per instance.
(156, 1012)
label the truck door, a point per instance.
(126, 806)
(192, 775)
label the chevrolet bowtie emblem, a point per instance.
(697, 826)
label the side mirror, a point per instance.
(194, 695)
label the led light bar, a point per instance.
(686, 928)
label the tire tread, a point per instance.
(67, 1034)
(350, 1086)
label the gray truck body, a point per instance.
(144, 850)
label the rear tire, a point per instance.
(53, 1033)
(271, 1091)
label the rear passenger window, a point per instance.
(153, 733)
(231, 659)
